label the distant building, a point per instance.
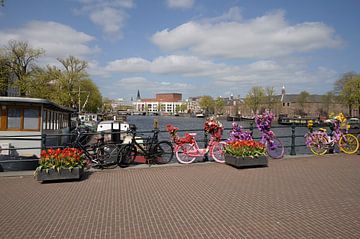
(163, 103)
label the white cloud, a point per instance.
(56, 39)
(173, 64)
(109, 15)
(262, 37)
(133, 64)
(180, 3)
(134, 83)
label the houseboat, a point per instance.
(23, 122)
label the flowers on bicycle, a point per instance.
(245, 148)
(237, 133)
(173, 133)
(172, 130)
(213, 127)
(60, 158)
(263, 121)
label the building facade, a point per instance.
(163, 103)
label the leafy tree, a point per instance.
(270, 97)
(19, 59)
(183, 107)
(4, 76)
(340, 83)
(351, 93)
(106, 105)
(206, 103)
(219, 105)
(327, 100)
(74, 72)
(43, 84)
(254, 98)
(177, 108)
(92, 99)
(302, 99)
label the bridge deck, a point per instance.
(302, 197)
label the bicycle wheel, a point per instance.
(217, 152)
(349, 144)
(275, 148)
(127, 155)
(182, 153)
(318, 144)
(163, 152)
(107, 156)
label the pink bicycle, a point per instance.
(187, 149)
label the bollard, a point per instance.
(206, 158)
(156, 124)
(292, 151)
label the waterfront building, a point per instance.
(163, 103)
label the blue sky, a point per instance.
(194, 47)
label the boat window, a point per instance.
(31, 119)
(14, 118)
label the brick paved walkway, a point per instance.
(296, 198)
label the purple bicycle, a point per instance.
(274, 146)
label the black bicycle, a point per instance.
(100, 154)
(154, 151)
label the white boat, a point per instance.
(200, 115)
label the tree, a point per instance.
(270, 97)
(183, 107)
(19, 59)
(4, 76)
(177, 108)
(91, 101)
(206, 103)
(74, 72)
(106, 105)
(327, 100)
(219, 105)
(351, 93)
(302, 99)
(340, 83)
(43, 84)
(254, 98)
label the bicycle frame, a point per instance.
(199, 152)
(148, 153)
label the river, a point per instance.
(145, 123)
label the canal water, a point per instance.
(188, 124)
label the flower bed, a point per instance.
(245, 153)
(56, 164)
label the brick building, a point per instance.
(163, 103)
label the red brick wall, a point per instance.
(168, 97)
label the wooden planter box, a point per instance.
(246, 161)
(63, 174)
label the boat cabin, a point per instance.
(24, 120)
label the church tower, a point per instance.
(138, 95)
(283, 93)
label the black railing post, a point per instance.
(292, 151)
(252, 128)
(43, 141)
(205, 146)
